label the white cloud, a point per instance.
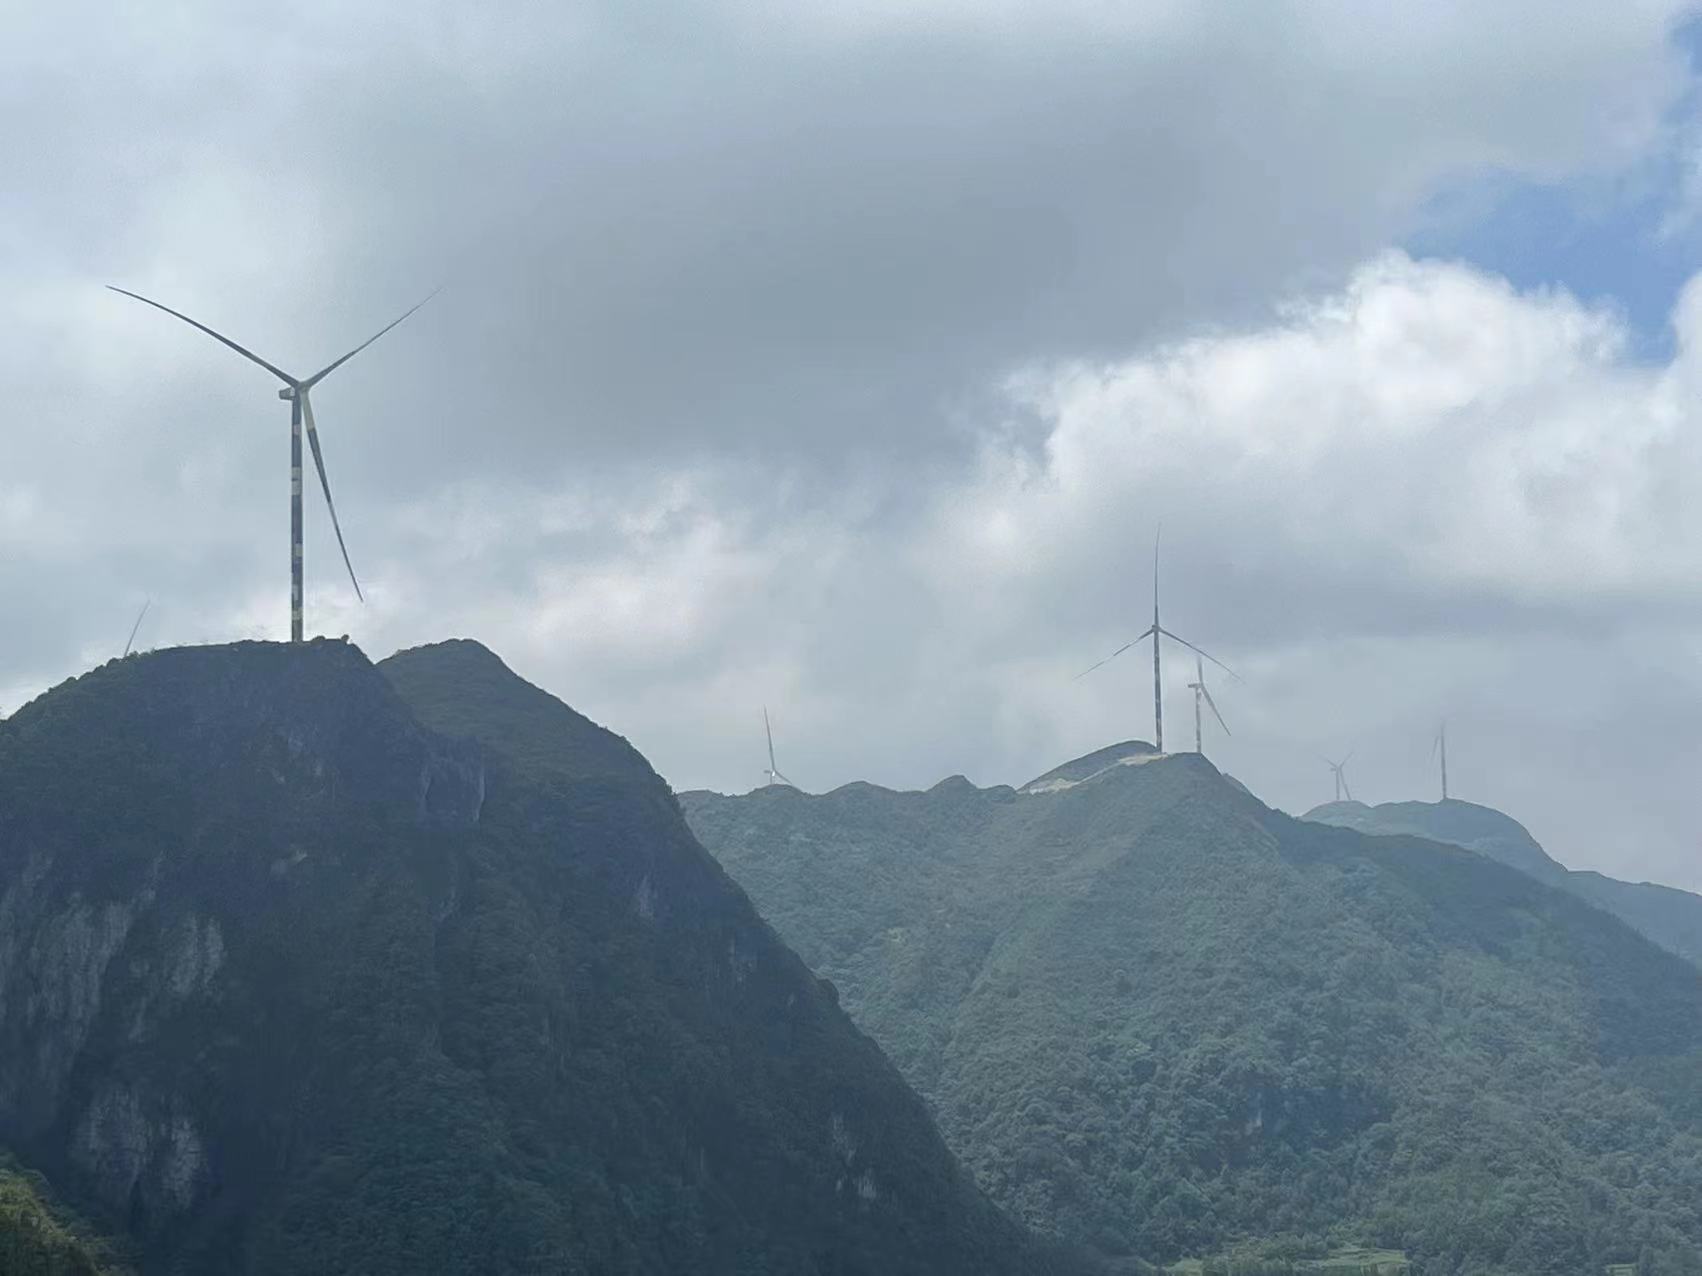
(1426, 422)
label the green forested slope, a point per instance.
(35, 1238)
(293, 983)
(1153, 1014)
(1670, 917)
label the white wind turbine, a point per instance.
(296, 392)
(773, 774)
(131, 640)
(1340, 769)
(1198, 686)
(1156, 631)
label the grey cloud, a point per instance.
(713, 227)
(784, 259)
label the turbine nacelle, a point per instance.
(287, 393)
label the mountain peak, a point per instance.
(954, 784)
(287, 986)
(1478, 828)
(462, 688)
(1090, 766)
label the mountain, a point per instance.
(1671, 918)
(309, 966)
(1154, 1015)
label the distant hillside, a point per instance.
(1670, 917)
(1157, 1016)
(305, 969)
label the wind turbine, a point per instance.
(301, 409)
(1340, 769)
(774, 776)
(1156, 631)
(1198, 686)
(1440, 746)
(131, 640)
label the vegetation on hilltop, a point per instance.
(1156, 1016)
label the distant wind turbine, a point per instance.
(774, 776)
(1439, 746)
(1198, 686)
(131, 640)
(296, 392)
(1155, 632)
(1340, 769)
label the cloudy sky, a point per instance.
(845, 358)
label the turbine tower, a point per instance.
(1439, 747)
(774, 776)
(1155, 632)
(301, 409)
(1340, 769)
(1198, 686)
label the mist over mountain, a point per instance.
(1158, 1017)
(312, 966)
(1670, 917)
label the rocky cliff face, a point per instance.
(149, 812)
(291, 982)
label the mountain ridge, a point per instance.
(1667, 915)
(1156, 1016)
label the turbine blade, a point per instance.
(278, 372)
(1157, 536)
(325, 485)
(329, 368)
(131, 640)
(1106, 661)
(1215, 713)
(1111, 657)
(1346, 791)
(769, 732)
(1199, 651)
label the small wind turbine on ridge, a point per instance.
(773, 775)
(1198, 686)
(1439, 746)
(1155, 631)
(301, 410)
(1340, 769)
(131, 640)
